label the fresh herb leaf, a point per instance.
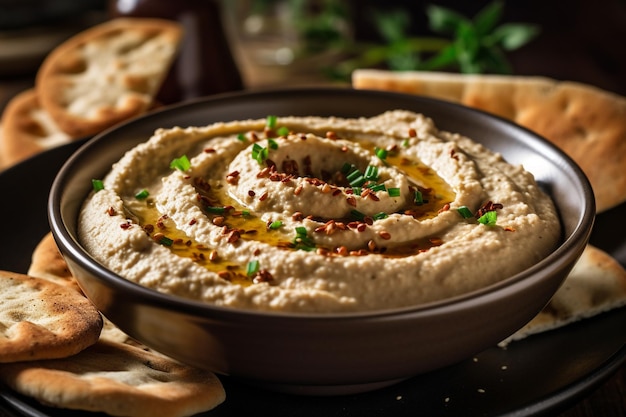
(97, 185)
(283, 131)
(259, 153)
(181, 164)
(272, 144)
(142, 195)
(270, 121)
(489, 218)
(252, 268)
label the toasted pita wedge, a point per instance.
(107, 74)
(43, 320)
(596, 284)
(588, 123)
(48, 263)
(27, 129)
(119, 380)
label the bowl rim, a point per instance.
(557, 259)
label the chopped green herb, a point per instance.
(283, 131)
(253, 268)
(405, 143)
(489, 218)
(380, 216)
(276, 225)
(357, 190)
(377, 187)
(181, 164)
(358, 181)
(166, 241)
(241, 137)
(245, 212)
(371, 173)
(418, 198)
(272, 144)
(142, 195)
(465, 212)
(215, 210)
(347, 168)
(97, 185)
(270, 121)
(302, 241)
(393, 192)
(381, 153)
(259, 153)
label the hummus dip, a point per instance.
(312, 214)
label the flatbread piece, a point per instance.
(587, 123)
(119, 380)
(107, 74)
(42, 320)
(27, 129)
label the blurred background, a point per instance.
(283, 42)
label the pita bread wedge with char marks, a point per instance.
(43, 320)
(119, 380)
(27, 129)
(587, 123)
(596, 284)
(107, 74)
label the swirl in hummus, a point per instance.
(312, 214)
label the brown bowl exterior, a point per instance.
(325, 354)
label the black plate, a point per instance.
(541, 375)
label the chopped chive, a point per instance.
(259, 153)
(380, 216)
(347, 168)
(418, 198)
(302, 241)
(241, 137)
(357, 214)
(166, 241)
(283, 131)
(465, 212)
(181, 164)
(97, 185)
(377, 187)
(276, 225)
(142, 195)
(489, 218)
(405, 143)
(381, 153)
(358, 181)
(393, 192)
(270, 121)
(215, 210)
(357, 190)
(272, 144)
(245, 212)
(253, 268)
(371, 173)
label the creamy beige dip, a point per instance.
(317, 214)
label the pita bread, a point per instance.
(26, 129)
(48, 263)
(42, 320)
(119, 380)
(107, 74)
(596, 284)
(587, 123)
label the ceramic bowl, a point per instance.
(334, 353)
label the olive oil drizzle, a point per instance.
(224, 211)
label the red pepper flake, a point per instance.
(412, 133)
(264, 173)
(214, 256)
(446, 207)
(264, 196)
(488, 206)
(233, 178)
(297, 216)
(256, 252)
(262, 276)
(509, 229)
(331, 135)
(436, 241)
(148, 228)
(233, 236)
(218, 221)
(303, 137)
(371, 245)
(209, 150)
(298, 189)
(224, 275)
(192, 222)
(126, 225)
(342, 251)
(453, 154)
(111, 211)
(351, 200)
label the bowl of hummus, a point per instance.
(320, 240)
